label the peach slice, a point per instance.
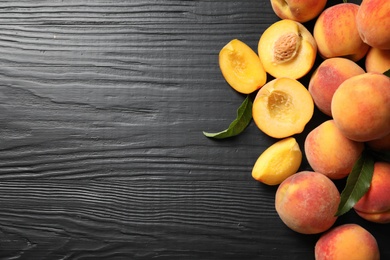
(277, 162)
(287, 49)
(282, 108)
(241, 67)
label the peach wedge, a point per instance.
(277, 162)
(287, 49)
(241, 67)
(282, 108)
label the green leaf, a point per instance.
(358, 183)
(244, 116)
(387, 73)
(345, 1)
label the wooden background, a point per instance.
(102, 156)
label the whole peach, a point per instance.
(373, 23)
(375, 204)
(377, 60)
(336, 33)
(327, 78)
(298, 10)
(329, 152)
(361, 107)
(307, 202)
(348, 241)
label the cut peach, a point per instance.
(277, 162)
(287, 49)
(282, 108)
(241, 67)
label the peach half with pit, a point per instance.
(287, 49)
(361, 107)
(307, 202)
(347, 241)
(329, 152)
(336, 33)
(298, 10)
(327, 78)
(282, 108)
(374, 206)
(241, 67)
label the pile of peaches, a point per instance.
(356, 98)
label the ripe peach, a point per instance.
(307, 202)
(327, 78)
(282, 108)
(361, 107)
(336, 33)
(298, 10)
(241, 67)
(377, 60)
(348, 241)
(287, 49)
(375, 204)
(373, 23)
(329, 152)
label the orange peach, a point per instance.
(336, 33)
(287, 49)
(377, 60)
(298, 10)
(329, 152)
(373, 23)
(361, 107)
(348, 241)
(282, 108)
(307, 202)
(241, 67)
(327, 78)
(375, 204)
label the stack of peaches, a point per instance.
(356, 98)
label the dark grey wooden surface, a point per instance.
(102, 108)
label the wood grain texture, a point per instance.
(102, 108)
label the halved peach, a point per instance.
(241, 67)
(282, 108)
(287, 49)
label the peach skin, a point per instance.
(298, 10)
(307, 202)
(336, 33)
(374, 206)
(327, 78)
(361, 107)
(346, 242)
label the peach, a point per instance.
(277, 162)
(282, 108)
(377, 60)
(329, 152)
(373, 23)
(287, 49)
(327, 78)
(298, 10)
(307, 202)
(361, 107)
(375, 204)
(348, 241)
(336, 33)
(381, 144)
(241, 67)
